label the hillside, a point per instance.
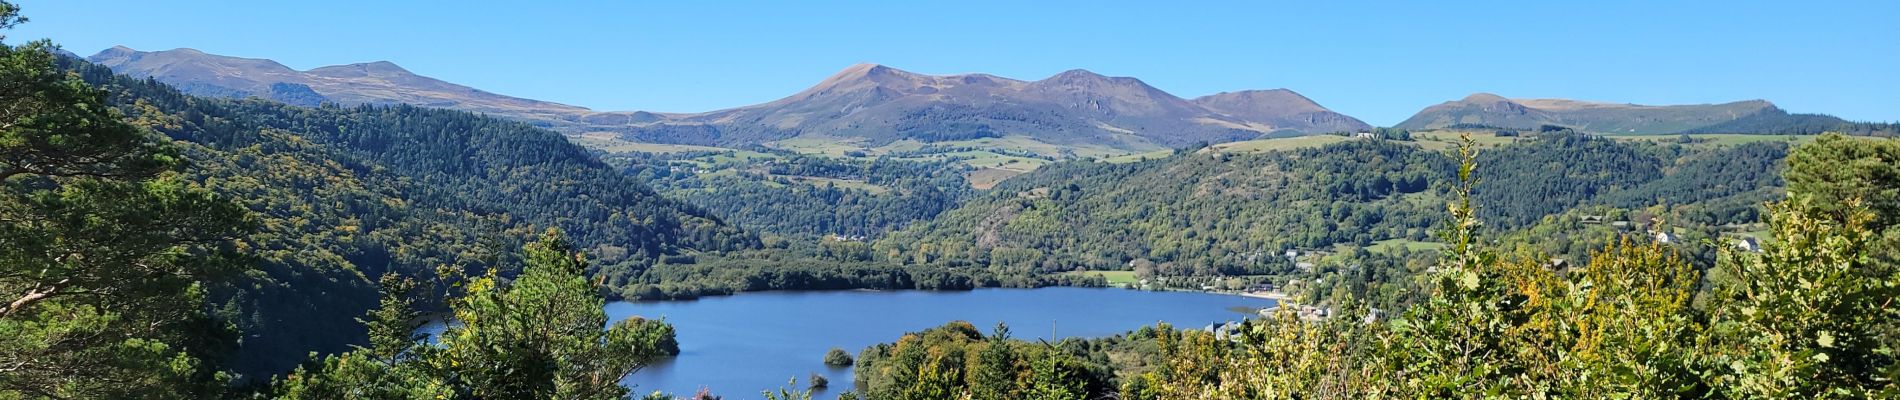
(1489, 110)
(1225, 209)
(347, 194)
(1195, 213)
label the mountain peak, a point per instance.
(116, 53)
(1482, 97)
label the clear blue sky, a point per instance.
(1380, 61)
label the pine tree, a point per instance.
(104, 248)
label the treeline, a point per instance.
(714, 275)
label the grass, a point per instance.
(831, 146)
(1277, 144)
(611, 143)
(1138, 157)
(1442, 140)
(1241, 147)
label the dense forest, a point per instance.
(803, 196)
(1191, 213)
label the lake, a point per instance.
(739, 345)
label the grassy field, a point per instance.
(611, 143)
(1241, 147)
(835, 147)
(1441, 140)
(1138, 157)
(1291, 143)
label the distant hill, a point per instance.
(865, 103)
(1485, 109)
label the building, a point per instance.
(1748, 244)
(1665, 237)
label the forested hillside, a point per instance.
(1360, 214)
(804, 197)
(1199, 213)
(346, 194)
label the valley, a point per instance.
(180, 224)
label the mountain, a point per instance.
(881, 104)
(866, 103)
(199, 73)
(1490, 110)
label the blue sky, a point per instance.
(1380, 61)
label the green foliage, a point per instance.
(1809, 317)
(105, 248)
(802, 196)
(1812, 316)
(955, 361)
(1836, 169)
(348, 194)
(538, 337)
(837, 357)
(1555, 172)
(1192, 213)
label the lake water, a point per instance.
(742, 344)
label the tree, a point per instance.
(104, 248)
(1836, 168)
(541, 336)
(1812, 315)
(994, 376)
(837, 357)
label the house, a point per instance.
(1665, 237)
(1558, 264)
(1590, 219)
(1748, 244)
(1364, 135)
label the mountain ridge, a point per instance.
(872, 103)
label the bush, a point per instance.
(837, 358)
